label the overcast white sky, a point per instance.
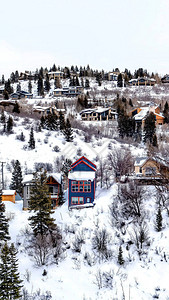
(104, 34)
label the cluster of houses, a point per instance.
(82, 182)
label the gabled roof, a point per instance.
(85, 161)
(29, 177)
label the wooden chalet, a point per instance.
(151, 167)
(139, 114)
(81, 184)
(54, 182)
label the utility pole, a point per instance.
(2, 170)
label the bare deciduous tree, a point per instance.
(121, 161)
(131, 198)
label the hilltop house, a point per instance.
(142, 81)
(54, 182)
(140, 113)
(165, 79)
(81, 184)
(55, 74)
(98, 114)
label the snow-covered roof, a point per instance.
(142, 113)
(140, 161)
(56, 176)
(96, 110)
(29, 177)
(82, 175)
(8, 192)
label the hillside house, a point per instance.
(142, 81)
(98, 114)
(21, 95)
(44, 111)
(165, 79)
(8, 195)
(68, 91)
(151, 167)
(55, 74)
(140, 113)
(81, 184)
(54, 182)
(112, 76)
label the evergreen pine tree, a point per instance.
(166, 112)
(18, 88)
(40, 87)
(119, 80)
(149, 128)
(47, 83)
(159, 219)
(9, 124)
(154, 142)
(68, 132)
(5, 280)
(10, 283)
(61, 197)
(2, 120)
(14, 274)
(16, 108)
(4, 227)
(66, 167)
(5, 94)
(120, 256)
(16, 183)
(40, 203)
(130, 103)
(31, 140)
(61, 121)
(30, 87)
(51, 122)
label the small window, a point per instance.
(88, 200)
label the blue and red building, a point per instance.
(81, 183)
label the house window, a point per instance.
(77, 200)
(51, 190)
(88, 200)
(81, 186)
(27, 190)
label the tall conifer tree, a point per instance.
(40, 203)
(4, 227)
(16, 183)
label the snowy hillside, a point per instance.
(81, 271)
